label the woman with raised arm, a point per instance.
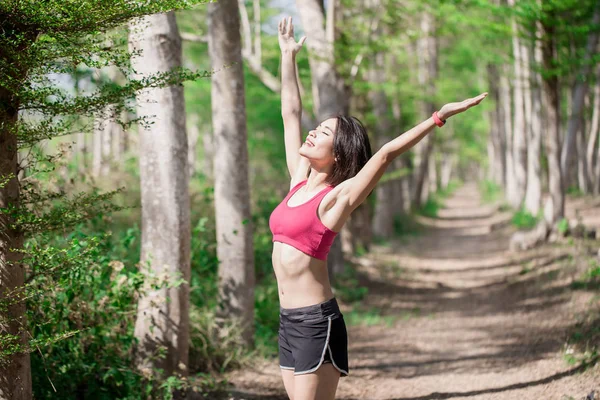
(332, 172)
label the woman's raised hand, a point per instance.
(287, 43)
(451, 109)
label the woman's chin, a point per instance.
(302, 151)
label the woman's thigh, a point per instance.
(288, 381)
(319, 385)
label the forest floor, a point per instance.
(462, 317)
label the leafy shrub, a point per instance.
(524, 220)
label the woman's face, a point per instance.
(318, 145)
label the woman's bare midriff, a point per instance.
(301, 279)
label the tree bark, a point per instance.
(15, 375)
(427, 60)
(330, 96)
(508, 131)
(497, 138)
(383, 217)
(533, 196)
(582, 172)
(554, 208)
(446, 170)
(232, 189)
(577, 99)
(593, 161)
(519, 142)
(163, 314)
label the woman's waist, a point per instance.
(322, 310)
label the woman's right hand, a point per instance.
(287, 43)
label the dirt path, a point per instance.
(469, 320)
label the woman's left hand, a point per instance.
(451, 109)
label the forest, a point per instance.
(142, 153)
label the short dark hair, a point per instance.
(351, 147)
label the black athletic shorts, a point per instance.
(312, 335)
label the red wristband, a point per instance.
(439, 122)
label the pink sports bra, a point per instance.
(300, 226)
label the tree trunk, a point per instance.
(402, 186)
(508, 131)
(593, 161)
(519, 127)
(577, 98)
(446, 170)
(497, 138)
(15, 375)
(554, 209)
(432, 174)
(232, 189)
(163, 315)
(582, 172)
(533, 196)
(383, 217)
(427, 58)
(330, 96)
(105, 129)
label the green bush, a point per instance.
(405, 225)
(524, 220)
(430, 208)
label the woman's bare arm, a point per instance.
(355, 190)
(291, 104)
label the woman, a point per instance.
(336, 155)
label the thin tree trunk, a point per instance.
(330, 96)
(508, 131)
(533, 197)
(383, 217)
(97, 140)
(402, 192)
(519, 127)
(593, 161)
(577, 98)
(427, 57)
(554, 209)
(497, 129)
(163, 314)
(433, 175)
(446, 170)
(116, 132)
(232, 189)
(497, 159)
(104, 127)
(582, 173)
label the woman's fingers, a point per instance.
(302, 40)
